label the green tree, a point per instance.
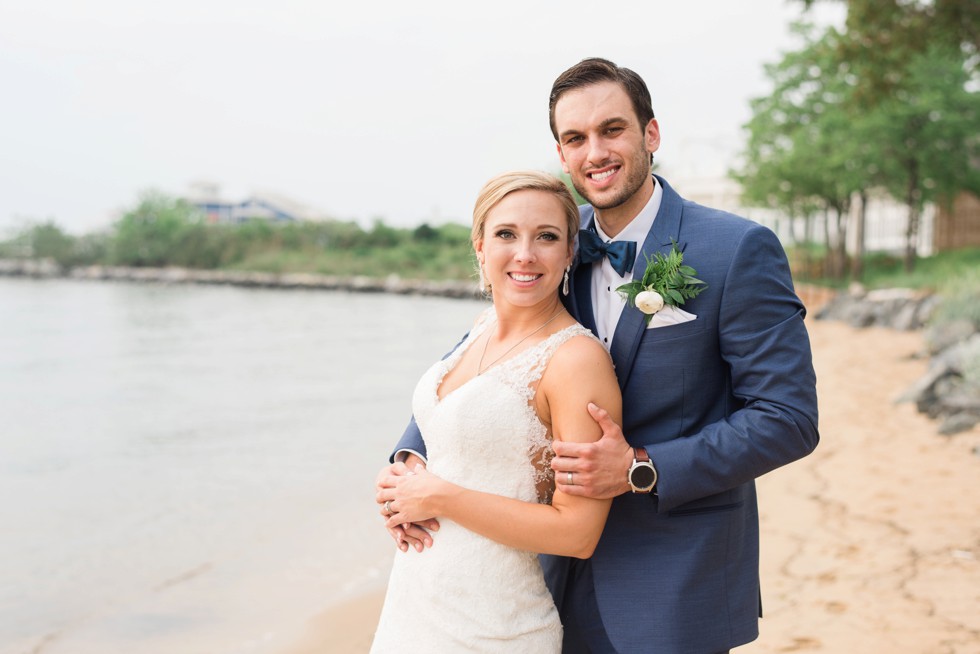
(875, 106)
(929, 133)
(48, 241)
(804, 153)
(883, 35)
(150, 234)
(425, 233)
(381, 235)
(915, 68)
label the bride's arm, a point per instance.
(580, 372)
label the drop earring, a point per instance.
(485, 286)
(564, 285)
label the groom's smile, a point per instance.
(604, 174)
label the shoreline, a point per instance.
(814, 297)
(46, 269)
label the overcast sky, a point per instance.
(382, 109)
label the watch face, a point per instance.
(642, 476)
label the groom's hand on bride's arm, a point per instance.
(598, 469)
(415, 535)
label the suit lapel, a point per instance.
(580, 299)
(631, 325)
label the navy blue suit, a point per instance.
(716, 401)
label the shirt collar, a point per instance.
(640, 226)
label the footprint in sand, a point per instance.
(800, 644)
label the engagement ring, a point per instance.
(388, 507)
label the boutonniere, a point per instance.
(666, 281)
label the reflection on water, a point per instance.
(191, 468)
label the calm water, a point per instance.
(190, 469)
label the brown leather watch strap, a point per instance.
(640, 454)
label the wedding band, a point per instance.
(570, 479)
(388, 507)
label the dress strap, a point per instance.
(525, 370)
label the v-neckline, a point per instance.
(454, 360)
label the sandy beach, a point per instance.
(871, 544)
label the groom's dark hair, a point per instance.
(594, 70)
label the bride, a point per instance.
(524, 375)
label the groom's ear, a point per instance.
(651, 136)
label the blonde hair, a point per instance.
(504, 184)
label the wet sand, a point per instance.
(871, 544)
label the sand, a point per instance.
(871, 544)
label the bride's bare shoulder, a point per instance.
(580, 354)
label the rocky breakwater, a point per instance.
(950, 390)
(44, 269)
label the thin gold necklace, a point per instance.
(480, 369)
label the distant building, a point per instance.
(206, 197)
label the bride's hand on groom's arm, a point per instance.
(415, 535)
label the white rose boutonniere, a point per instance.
(666, 282)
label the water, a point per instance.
(190, 469)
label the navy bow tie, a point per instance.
(621, 254)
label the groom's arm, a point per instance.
(765, 345)
(410, 446)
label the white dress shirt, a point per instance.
(606, 302)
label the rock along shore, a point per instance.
(947, 392)
(47, 269)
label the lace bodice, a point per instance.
(495, 421)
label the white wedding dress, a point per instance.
(467, 593)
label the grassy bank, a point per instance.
(162, 231)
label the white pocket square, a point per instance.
(670, 316)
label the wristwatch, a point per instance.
(642, 476)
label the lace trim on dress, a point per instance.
(522, 373)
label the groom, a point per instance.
(715, 393)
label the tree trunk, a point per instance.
(843, 213)
(912, 229)
(807, 244)
(830, 256)
(857, 261)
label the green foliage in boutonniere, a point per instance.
(666, 281)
